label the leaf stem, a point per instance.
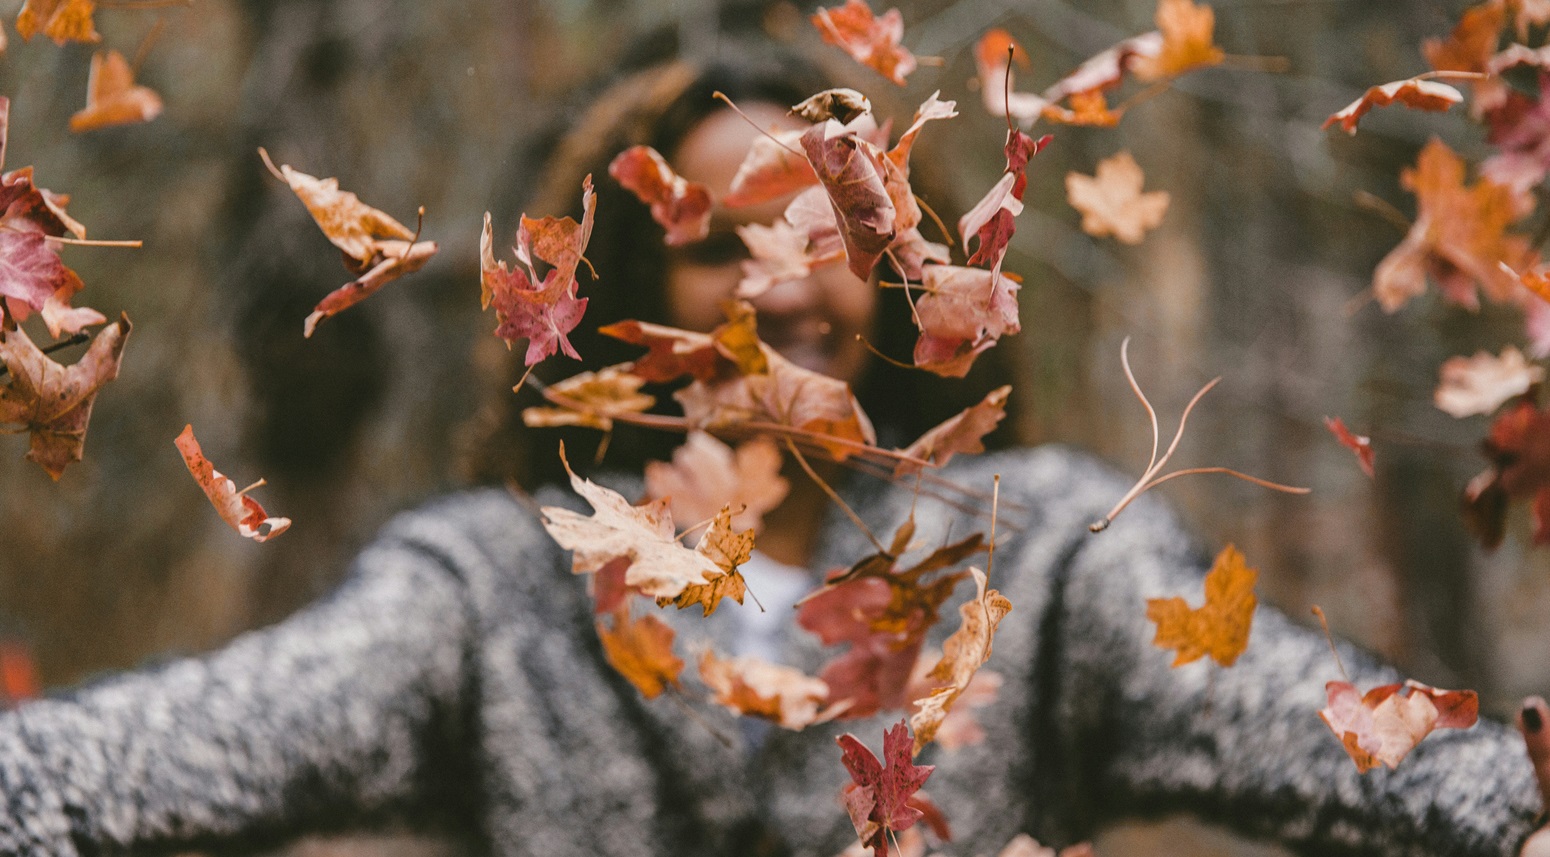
(834, 496)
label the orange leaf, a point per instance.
(1383, 725)
(642, 651)
(1417, 94)
(871, 41)
(54, 402)
(61, 20)
(113, 97)
(963, 654)
(236, 508)
(1220, 627)
(1111, 202)
(756, 688)
(681, 207)
(594, 399)
(961, 433)
(1187, 32)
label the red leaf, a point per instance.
(871, 41)
(773, 168)
(962, 313)
(1359, 444)
(681, 207)
(878, 796)
(1518, 448)
(236, 508)
(30, 271)
(543, 310)
(851, 170)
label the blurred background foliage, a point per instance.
(1258, 273)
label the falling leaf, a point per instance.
(542, 310)
(1459, 237)
(963, 654)
(1220, 627)
(54, 402)
(1361, 445)
(1112, 203)
(872, 41)
(593, 399)
(32, 274)
(113, 97)
(60, 20)
(642, 651)
(680, 206)
(1412, 93)
(773, 168)
(236, 508)
(840, 104)
(962, 312)
(379, 248)
(852, 171)
(1472, 43)
(960, 433)
(1384, 725)
(671, 352)
(991, 222)
(728, 549)
(756, 688)
(877, 797)
(706, 474)
(1187, 33)
(1518, 448)
(659, 565)
(993, 56)
(1089, 109)
(1480, 384)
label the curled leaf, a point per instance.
(680, 206)
(872, 41)
(963, 654)
(1383, 725)
(756, 688)
(1361, 445)
(236, 508)
(53, 402)
(113, 97)
(1416, 94)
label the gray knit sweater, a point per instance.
(456, 676)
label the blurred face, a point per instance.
(812, 322)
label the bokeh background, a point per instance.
(1257, 274)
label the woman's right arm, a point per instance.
(353, 708)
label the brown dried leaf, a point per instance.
(1480, 384)
(960, 433)
(642, 651)
(236, 508)
(54, 402)
(756, 688)
(60, 20)
(1416, 94)
(706, 474)
(963, 654)
(113, 97)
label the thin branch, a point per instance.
(834, 496)
(946, 236)
(1383, 208)
(1151, 413)
(990, 557)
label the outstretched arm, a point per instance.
(1244, 745)
(349, 709)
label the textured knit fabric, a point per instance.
(456, 675)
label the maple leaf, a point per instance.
(805, 237)
(1459, 237)
(960, 433)
(236, 508)
(728, 549)
(377, 247)
(962, 312)
(680, 206)
(1187, 43)
(593, 399)
(1111, 202)
(1480, 384)
(54, 402)
(877, 797)
(706, 474)
(113, 97)
(1518, 448)
(671, 352)
(1413, 93)
(963, 654)
(659, 565)
(772, 169)
(543, 310)
(1360, 445)
(1469, 48)
(1089, 108)
(32, 276)
(60, 20)
(642, 651)
(1384, 725)
(1220, 627)
(872, 41)
(852, 171)
(756, 688)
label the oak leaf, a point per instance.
(1220, 627)
(1111, 202)
(962, 312)
(872, 41)
(641, 649)
(1413, 93)
(1459, 237)
(659, 565)
(376, 247)
(60, 20)
(1480, 384)
(236, 508)
(113, 97)
(1383, 725)
(1187, 33)
(706, 474)
(593, 399)
(962, 432)
(680, 206)
(756, 688)
(1360, 445)
(54, 402)
(963, 654)
(878, 796)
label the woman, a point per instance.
(456, 675)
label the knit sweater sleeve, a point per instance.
(345, 711)
(1244, 745)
